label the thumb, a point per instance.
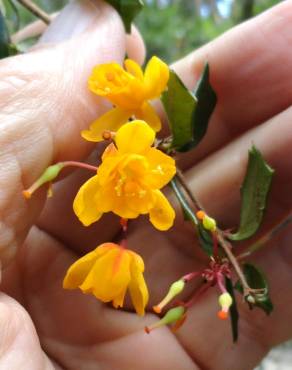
(44, 104)
(19, 343)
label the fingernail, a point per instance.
(73, 20)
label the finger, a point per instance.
(135, 46)
(76, 329)
(251, 84)
(45, 104)
(216, 180)
(18, 338)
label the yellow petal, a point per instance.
(134, 137)
(133, 68)
(108, 169)
(155, 78)
(137, 287)
(77, 272)
(162, 214)
(110, 151)
(108, 78)
(110, 275)
(161, 168)
(83, 204)
(119, 300)
(121, 208)
(111, 121)
(148, 114)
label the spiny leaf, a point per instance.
(128, 9)
(257, 280)
(234, 316)
(188, 113)
(254, 192)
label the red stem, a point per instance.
(198, 294)
(79, 164)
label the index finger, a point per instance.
(250, 70)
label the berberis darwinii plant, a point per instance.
(134, 167)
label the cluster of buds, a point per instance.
(212, 276)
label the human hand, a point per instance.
(44, 106)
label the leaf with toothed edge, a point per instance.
(254, 192)
(188, 113)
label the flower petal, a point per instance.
(161, 168)
(162, 214)
(134, 137)
(133, 68)
(155, 78)
(111, 121)
(110, 275)
(77, 272)
(108, 78)
(148, 114)
(84, 207)
(137, 287)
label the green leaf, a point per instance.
(254, 192)
(234, 316)
(4, 38)
(179, 104)
(128, 9)
(11, 14)
(257, 280)
(207, 101)
(188, 113)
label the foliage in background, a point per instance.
(171, 28)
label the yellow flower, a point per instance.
(129, 91)
(128, 180)
(107, 273)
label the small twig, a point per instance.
(226, 246)
(183, 183)
(266, 237)
(36, 10)
(183, 201)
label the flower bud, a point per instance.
(175, 289)
(48, 175)
(172, 316)
(209, 223)
(200, 215)
(225, 301)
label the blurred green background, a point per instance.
(171, 28)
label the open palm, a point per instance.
(44, 105)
